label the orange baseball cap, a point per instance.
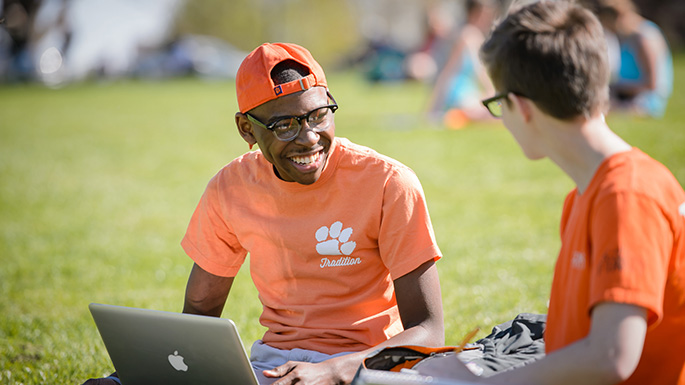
(253, 80)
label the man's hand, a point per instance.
(335, 371)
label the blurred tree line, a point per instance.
(331, 28)
(326, 27)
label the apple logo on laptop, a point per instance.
(177, 362)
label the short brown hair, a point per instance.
(554, 53)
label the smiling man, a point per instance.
(341, 246)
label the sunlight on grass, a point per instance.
(99, 182)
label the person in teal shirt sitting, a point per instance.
(643, 75)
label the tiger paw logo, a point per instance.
(334, 240)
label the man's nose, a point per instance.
(307, 135)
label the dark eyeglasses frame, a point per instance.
(487, 102)
(270, 126)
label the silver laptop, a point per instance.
(157, 347)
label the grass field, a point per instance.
(98, 182)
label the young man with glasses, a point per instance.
(341, 247)
(617, 303)
(342, 251)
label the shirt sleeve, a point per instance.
(210, 240)
(406, 239)
(630, 252)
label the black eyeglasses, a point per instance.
(494, 104)
(287, 128)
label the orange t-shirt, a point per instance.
(323, 257)
(623, 240)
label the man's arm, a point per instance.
(419, 301)
(420, 305)
(206, 293)
(608, 355)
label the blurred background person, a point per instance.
(432, 54)
(643, 69)
(463, 82)
(404, 41)
(16, 20)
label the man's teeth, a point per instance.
(305, 159)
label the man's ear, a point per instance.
(245, 129)
(523, 105)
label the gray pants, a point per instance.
(264, 357)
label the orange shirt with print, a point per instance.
(322, 256)
(623, 241)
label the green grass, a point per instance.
(98, 181)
